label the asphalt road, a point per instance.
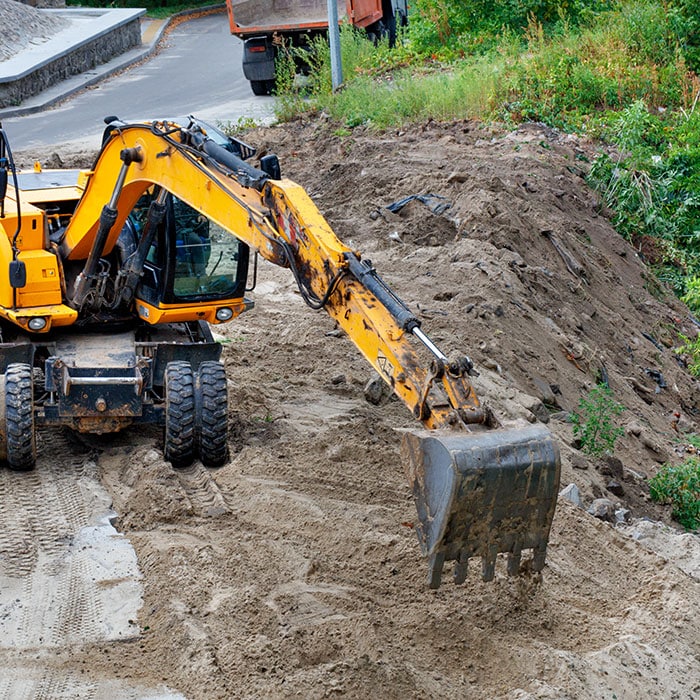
(196, 71)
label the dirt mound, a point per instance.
(23, 26)
(294, 570)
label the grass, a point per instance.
(680, 486)
(622, 71)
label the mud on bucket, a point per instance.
(481, 493)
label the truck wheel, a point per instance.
(178, 446)
(19, 417)
(262, 87)
(212, 414)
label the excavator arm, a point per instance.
(479, 490)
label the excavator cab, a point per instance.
(192, 261)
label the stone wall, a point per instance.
(82, 59)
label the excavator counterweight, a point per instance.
(111, 277)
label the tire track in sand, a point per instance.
(67, 577)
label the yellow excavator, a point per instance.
(115, 275)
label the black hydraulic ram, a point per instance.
(478, 490)
(84, 282)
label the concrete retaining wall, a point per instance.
(79, 59)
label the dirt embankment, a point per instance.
(293, 571)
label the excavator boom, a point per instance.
(479, 489)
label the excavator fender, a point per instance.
(481, 493)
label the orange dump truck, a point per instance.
(265, 25)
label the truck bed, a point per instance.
(270, 15)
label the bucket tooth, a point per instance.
(488, 564)
(538, 557)
(513, 566)
(461, 567)
(437, 561)
(480, 493)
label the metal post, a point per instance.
(334, 38)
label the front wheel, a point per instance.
(19, 417)
(178, 443)
(212, 414)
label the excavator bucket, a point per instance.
(482, 493)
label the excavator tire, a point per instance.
(261, 88)
(19, 417)
(178, 444)
(212, 414)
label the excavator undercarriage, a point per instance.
(115, 274)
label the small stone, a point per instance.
(633, 428)
(659, 454)
(488, 363)
(544, 391)
(376, 390)
(571, 493)
(338, 379)
(610, 466)
(615, 487)
(603, 509)
(578, 461)
(560, 416)
(535, 406)
(622, 515)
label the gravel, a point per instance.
(23, 26)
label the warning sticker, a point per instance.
(385, 366)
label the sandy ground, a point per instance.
(293, 571)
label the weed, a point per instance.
(691, 348)
(693, 440)
(680, 486)
(240, 126)
(594, 426)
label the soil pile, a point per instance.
(24, 26)
(294, 571)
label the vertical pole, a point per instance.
(334, 38)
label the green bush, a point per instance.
(691, 348)
(595, 426)
(454, 24)
(680, 486)
(654, 189)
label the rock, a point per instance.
(571, 493)
(376, 390)
(615, 487)
(545, 392)
(535, 406)
(603, 509)
(338, 379)
(578, 461)
(560, 416)
(610, 466)
(622, 515)
(659, 454)
(633, 428)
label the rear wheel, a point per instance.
(178, 445)
(19, 417)
(262, 87)
(212, 414)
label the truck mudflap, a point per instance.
(481, 493)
